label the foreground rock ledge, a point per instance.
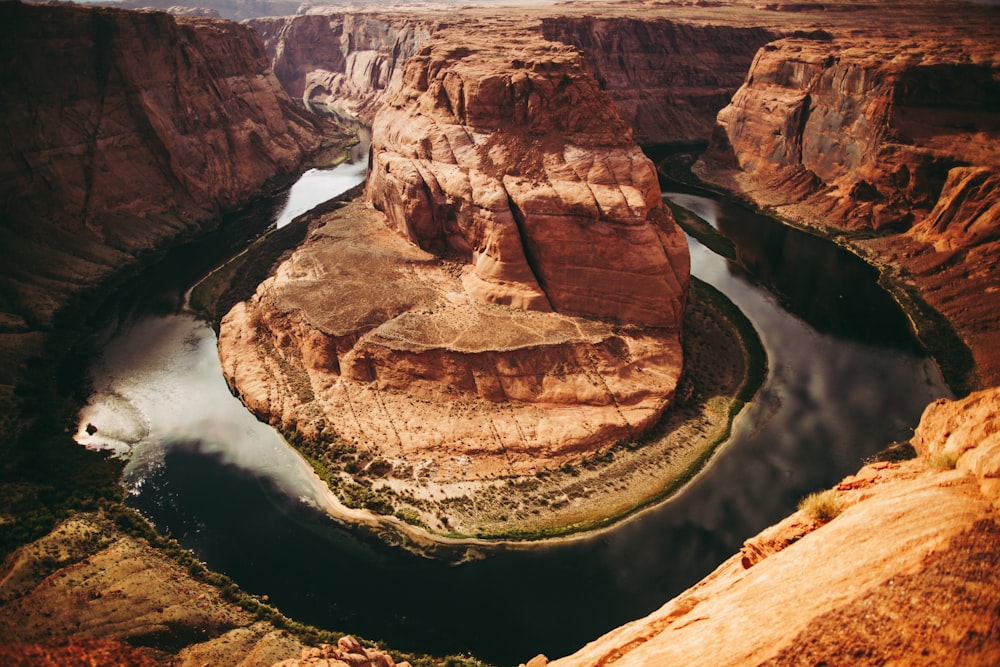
(908, 573)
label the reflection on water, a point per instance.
(159, 385)
(231, 490)
(314, 186)
(829, 288)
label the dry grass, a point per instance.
(822, 506)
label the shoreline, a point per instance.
(726, 366)
(933, 330)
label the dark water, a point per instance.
(845, 378)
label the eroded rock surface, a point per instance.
(363, 335)
(518, 303)
(919, 587)
(121, 131)
(668, 78)
(343, 61)
(515, 160)
(895, 141)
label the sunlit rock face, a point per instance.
(514, 302)
(897, 140)
(515, 159)
(870, 582)
(122, 130)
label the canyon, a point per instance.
(115, 145)
(877, 129)
(889, 146)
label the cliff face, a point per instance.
(517, 160)
(525, 311)
(343, 61)
(668, 79)
(879, 135)
(917, 587)
(120, 131)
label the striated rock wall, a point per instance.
(918, 587)
(515, 160)
(516, 304)
(122, 130)
(362, 337)
(346, 61)
(882, 135)
(668, 79)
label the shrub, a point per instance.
(943, 460)
(822, 506)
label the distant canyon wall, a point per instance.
(893, 142)
(122, 130)
(667, 79)
(345, 61)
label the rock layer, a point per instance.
(121, 131)
(919, 588)
(362, 336)
(668, 79)
(514, 159)
(528, 309)
(887, 136)
(346, 62)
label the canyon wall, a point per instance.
(892, 144)
(343, 61)
(668, 78)
(122, 130)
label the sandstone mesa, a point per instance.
(529, 310)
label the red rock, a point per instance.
(122, 130)
(518, 162)
(875, 133)
(871, 583)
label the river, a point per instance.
(845, 378)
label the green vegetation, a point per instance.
(45, 476)
(943, 460)
(822, 506)
(703, 299)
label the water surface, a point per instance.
(839, 388)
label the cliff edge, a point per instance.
(907, 572)
(890, 145)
